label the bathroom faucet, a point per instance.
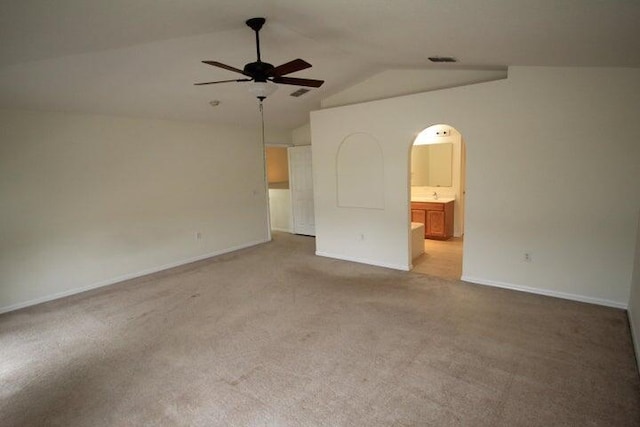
(435, 195)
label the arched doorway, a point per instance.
(437, 188)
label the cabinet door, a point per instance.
(435, 223)
(418, 215)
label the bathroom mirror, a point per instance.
(431, 165)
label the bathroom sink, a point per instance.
(432, 200)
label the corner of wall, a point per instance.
(301, 135)
(633, 310)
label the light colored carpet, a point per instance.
(274, 336)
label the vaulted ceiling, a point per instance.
(141, 57)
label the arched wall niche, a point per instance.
(360, 172)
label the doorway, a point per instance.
(290, 181)
(279, 191)
(437, 189)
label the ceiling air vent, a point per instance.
(299, 92)
(442, 59)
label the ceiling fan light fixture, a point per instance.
(262, 89)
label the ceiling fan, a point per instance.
(263, 72)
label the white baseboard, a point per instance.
(284, 230)
(547, 292)
(364, 261)
(124, 277)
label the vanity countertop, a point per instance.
(432, 200)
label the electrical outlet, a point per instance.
(527, 257)
(198, 235)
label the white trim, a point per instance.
(284, 230)
(363, 261)
(124, 277)
(547, 292)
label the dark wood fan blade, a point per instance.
(222, 81)
(225, 66)
(298, 82)
(289, 67)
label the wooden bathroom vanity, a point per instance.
(437, 217)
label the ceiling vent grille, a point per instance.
(442, 59)
(299, 92)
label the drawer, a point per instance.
(418, 215)
(427, 206)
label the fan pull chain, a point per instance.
(264, 168)
(261, 106)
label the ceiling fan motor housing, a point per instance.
(255, 23)
(258, 70)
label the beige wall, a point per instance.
(545, 175)
(277, 165)
(301, 135)
(91, 200)
(634, 298)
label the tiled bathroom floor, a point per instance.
(441, 258)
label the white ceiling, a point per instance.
(140, 57)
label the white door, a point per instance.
(301, 183)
